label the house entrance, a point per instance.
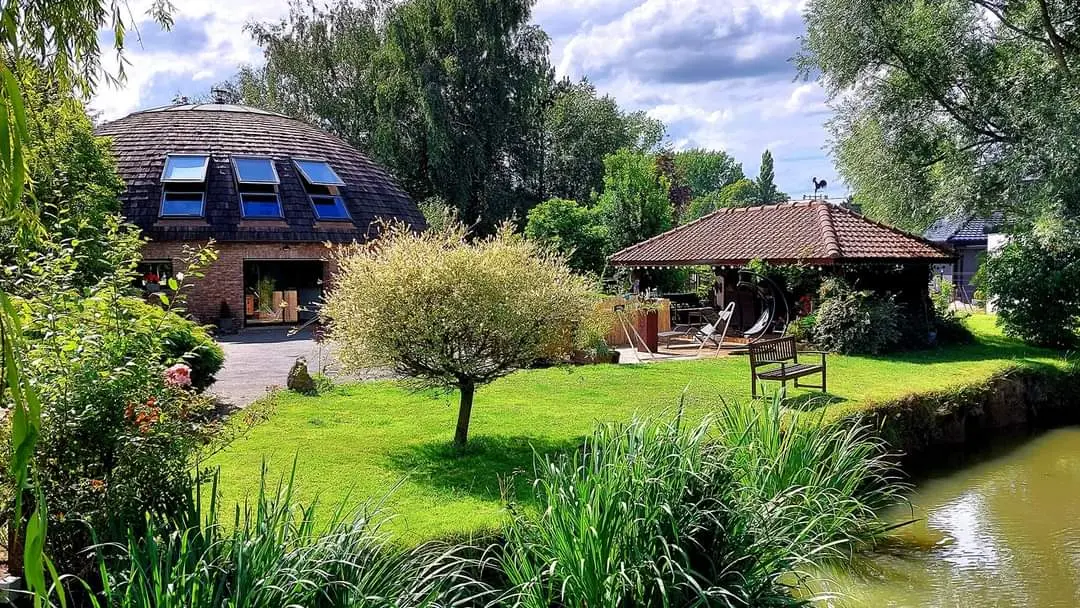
(277, 291)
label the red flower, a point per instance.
(97, 485)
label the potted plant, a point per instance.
(225, 319)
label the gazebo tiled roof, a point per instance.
(812, 232)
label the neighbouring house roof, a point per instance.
(801, 232)
(963, 230)
(142, 140)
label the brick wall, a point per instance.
(224, 280)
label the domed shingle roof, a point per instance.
(142, 140)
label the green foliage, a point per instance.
(460, 314)
(620, 522)
(742, 193)
(74, 187)
(707, 172)
(767, 192)
(579, 129)
(854, 321)
(960, 104)
(634, 205)
(446, 93)
(182, 341)
(651, 513)
(278, 552)
(439, 216)
(574, 231)
(1035, 283)
(802, 329)
(803, 491)
(119, 430)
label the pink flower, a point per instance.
(178, 375)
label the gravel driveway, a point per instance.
(259, 358)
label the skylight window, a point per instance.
(318, 173)
(183, 185)
(329, 207)
(185, 168)
(182, 204)
(254, 170)
(257, 181)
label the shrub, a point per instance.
(573, 230)
(449, 313)
(850, 321)
(802, 329)
(120, 429)
(183, 341)
(1035, 282)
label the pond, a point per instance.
(1004, 530)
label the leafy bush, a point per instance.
(183, 341)
(851, 321)
(121, 425)
(802, 329)
(573, 230)
(463, 313)
(1035, 282)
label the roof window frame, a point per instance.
(172, 180)
(338, 196)
(307, 179)
(273, 169)
(179, 216)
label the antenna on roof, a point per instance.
(818, 185)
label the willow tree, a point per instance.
(449, 313)
(952, 106)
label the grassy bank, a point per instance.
(365, 440)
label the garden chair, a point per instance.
(709, 333)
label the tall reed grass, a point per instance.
(275, 554)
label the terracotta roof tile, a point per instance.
(811, 232)
(141, 141)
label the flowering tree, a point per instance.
(450, 313)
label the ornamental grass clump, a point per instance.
(279, 552)
(802, 492)
(451, 313)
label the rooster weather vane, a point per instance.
(818, 185)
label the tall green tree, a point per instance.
(635, 204)
(742, 193)
(767, 192)
(581, 127)
(446, 93)
(951, 105)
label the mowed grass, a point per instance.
(378, 440)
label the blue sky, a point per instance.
(717, 72)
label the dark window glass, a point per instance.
(260, 205)
(329, 208)
(182, 204)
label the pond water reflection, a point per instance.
(1003, 531)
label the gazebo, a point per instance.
(815, 234)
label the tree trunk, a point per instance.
(464, 413)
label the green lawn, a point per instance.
(365, 440)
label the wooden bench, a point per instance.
(781, 353)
